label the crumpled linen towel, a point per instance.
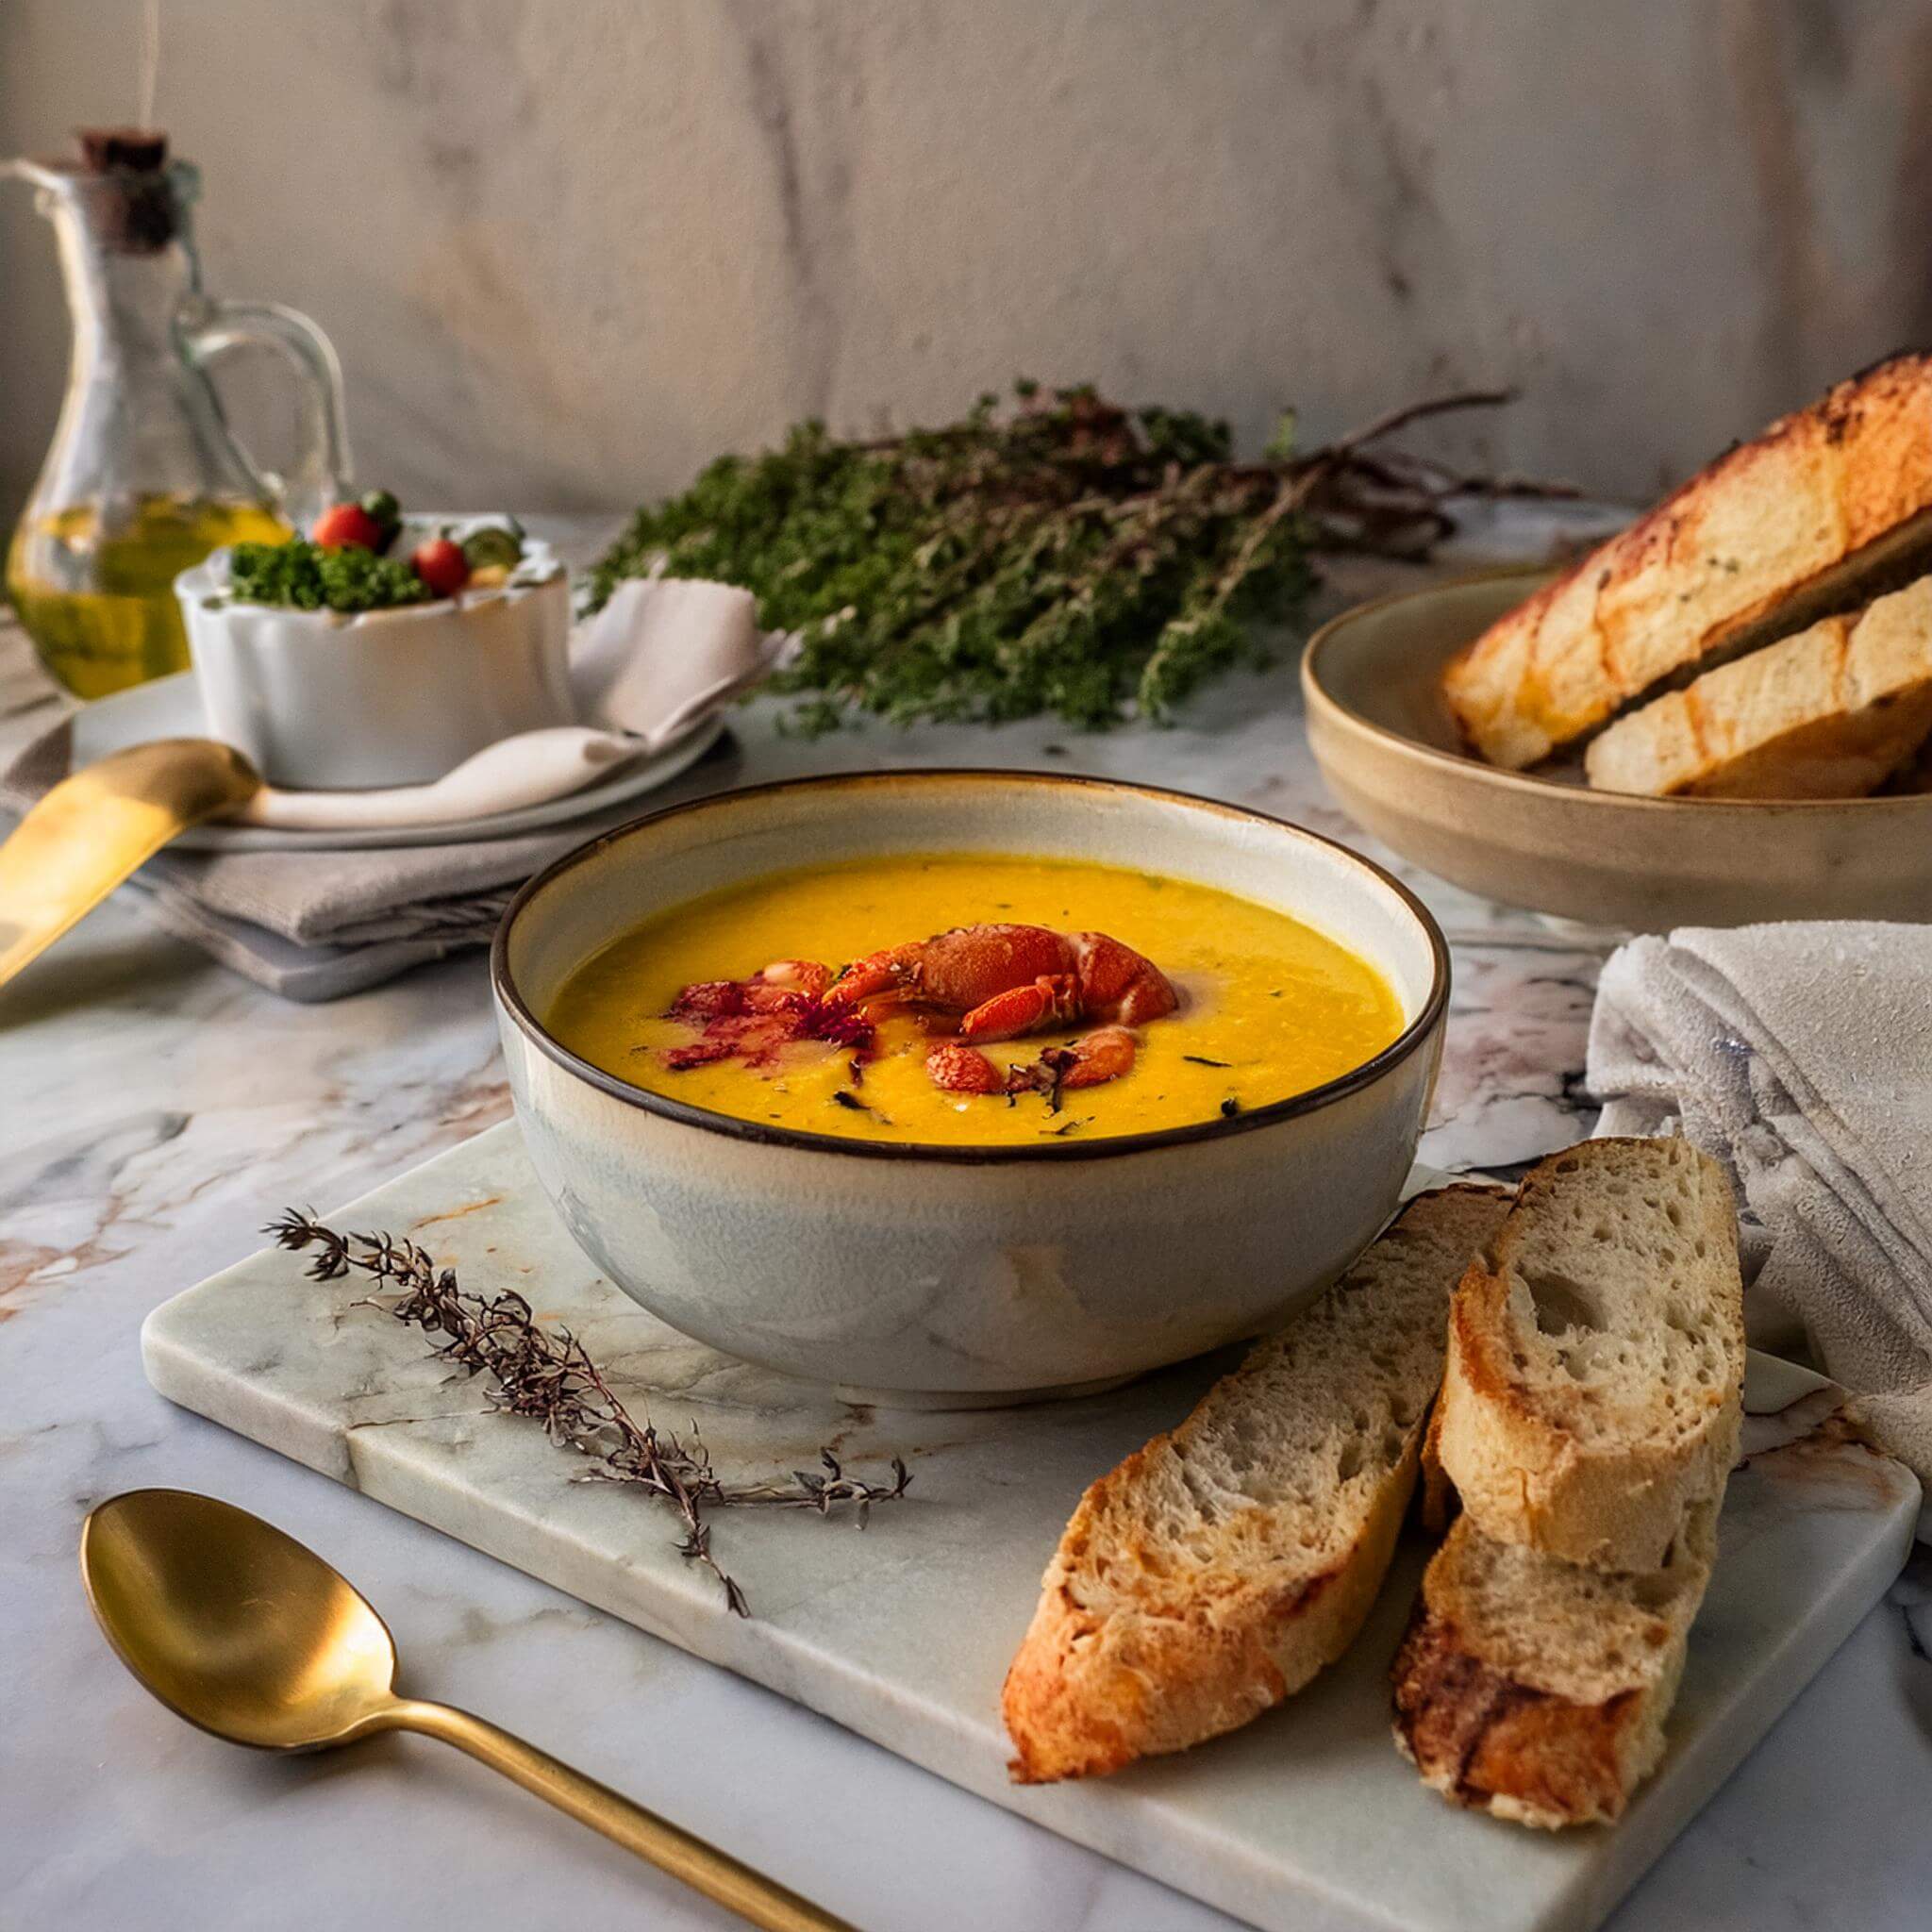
(1800, 1055)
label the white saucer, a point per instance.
(171, 707)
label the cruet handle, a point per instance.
(322, 477)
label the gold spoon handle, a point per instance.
(91, 830)
(57, 868)
(669, 1847)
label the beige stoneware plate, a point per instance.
(1389, 749)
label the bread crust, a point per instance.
(1168, 1684)
(1537, 1690)
(1520, 1466)
(1436, 1501)
(1832, 713)
(1490, 1738)
(1493, 1743)
(1804, 521)
(1131, 1652)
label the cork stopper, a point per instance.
(133, 203)
(139, 150)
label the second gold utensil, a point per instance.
(247, 1634)
(93, 829)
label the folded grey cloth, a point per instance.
(1801, 1057)
(322, 922)
(315, 925)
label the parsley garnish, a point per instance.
(303, 577)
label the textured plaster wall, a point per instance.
(568, 251)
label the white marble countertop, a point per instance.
(157, 1111)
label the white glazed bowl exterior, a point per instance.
(324, 702)
(938, 1276)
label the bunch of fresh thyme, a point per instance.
(546, 1375)
(1062, 554)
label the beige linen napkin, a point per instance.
(1800, 1056)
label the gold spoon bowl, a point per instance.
(252, 1636)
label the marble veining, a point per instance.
(155, 1111)
(903, 1634)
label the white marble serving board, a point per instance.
(1306, 1819)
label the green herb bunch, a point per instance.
(305, 576)
(1058, 555)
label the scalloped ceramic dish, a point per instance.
(1389, 751)
(321, 701)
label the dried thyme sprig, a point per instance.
(1062, 554)
(545, 1375)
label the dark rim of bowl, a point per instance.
(1477, 773)
(1408, 1042)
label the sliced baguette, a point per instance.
(1828, 508)
(1537, 1690)
(1219, 1568)
(1596, 1352)
(1830, 713)
(1435, 1507)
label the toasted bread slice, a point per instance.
(1218, 1568)
(1596, 1353)
(1435, 1506)
(1830, 713)
(1826, 508)
(1537, 1690)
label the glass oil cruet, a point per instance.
(143, 477)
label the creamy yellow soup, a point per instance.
(1269, 1007)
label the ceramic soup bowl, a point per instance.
(322, 700)
(947, 1277)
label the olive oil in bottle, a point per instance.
(97, 595)
(143, 477)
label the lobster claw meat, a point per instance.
(1105, 1053)
(1001, 981)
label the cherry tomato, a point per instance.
(346, 523)
(441, 565)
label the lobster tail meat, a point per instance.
(1002, 982)
(964, 1070)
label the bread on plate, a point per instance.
(1537, 1690)
(1829, 507)
(1833, 712)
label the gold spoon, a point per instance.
(91, 830)
(242, 1631)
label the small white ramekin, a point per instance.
(321, 701)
